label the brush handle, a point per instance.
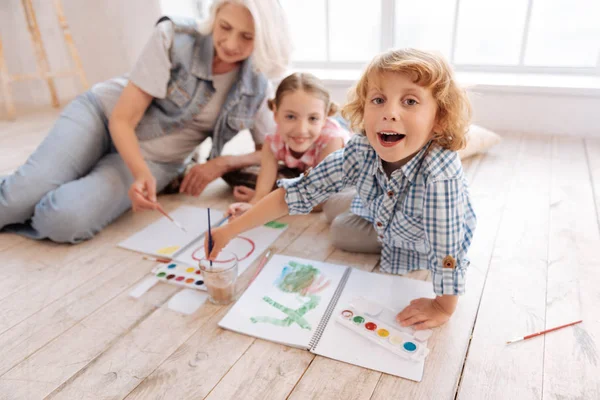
(551, 329)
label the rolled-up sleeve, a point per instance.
(152, 70)
(337, 171)
(443, 218)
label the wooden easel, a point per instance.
(43, 68)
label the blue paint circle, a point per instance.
(198, 283)
(172, 266)
(409, 346)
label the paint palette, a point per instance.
(405, 342)
(180, 274)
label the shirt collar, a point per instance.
(409, 170)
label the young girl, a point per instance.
(411, 188)
(305, 136)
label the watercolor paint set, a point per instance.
(376, 323)
(180, 274)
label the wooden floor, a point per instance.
(69, 330)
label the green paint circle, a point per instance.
(161, 274)
(358, 320)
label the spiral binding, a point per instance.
(314, 341)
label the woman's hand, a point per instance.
(142, 193)
(237, 209)
(201, 175)
(220, 237)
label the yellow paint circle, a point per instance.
(383, 333)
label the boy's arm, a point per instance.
(269, 208)
(267, 175)
(295, 196)
(444, 216)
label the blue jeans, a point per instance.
(75, 183)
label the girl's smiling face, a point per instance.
(300, 117)
(399, 117)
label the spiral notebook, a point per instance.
(334, 311)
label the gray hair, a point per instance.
(272, 40)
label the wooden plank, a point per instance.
(91, 345)
(51, 284)
(39, 277)
(571, 359)
(197, 366)
(211, 351)
(48, 368)
(266, 371)
(330, 379)
(449, 343)
(48, 323)
(513, 302)
(134, 355)
(592, 147)
(314, 243)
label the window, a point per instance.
(530, 36)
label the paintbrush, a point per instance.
(262, 264)
(543, 332)
(210, 241)
(160, 260)
(162, 211)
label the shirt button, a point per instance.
(379, 224)
(390, 193)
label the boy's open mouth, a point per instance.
(390, 138)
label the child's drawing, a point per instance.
(304, 280)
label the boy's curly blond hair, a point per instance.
(429, 70)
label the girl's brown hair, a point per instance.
(308, 83)
(429, 70)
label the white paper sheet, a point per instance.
(247, 247)
(393, 292)
(163, 238)
(252, 304)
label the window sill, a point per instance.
(569, 85)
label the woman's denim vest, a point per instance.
(190, 88)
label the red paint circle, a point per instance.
(179, 278)
(252, 248)
(370, 326)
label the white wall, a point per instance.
(559, 112)
(107, 33)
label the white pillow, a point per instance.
(479, 140)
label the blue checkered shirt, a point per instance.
(422, 213)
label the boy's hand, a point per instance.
(220, 237)
(425, 313)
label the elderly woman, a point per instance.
(119, 143)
